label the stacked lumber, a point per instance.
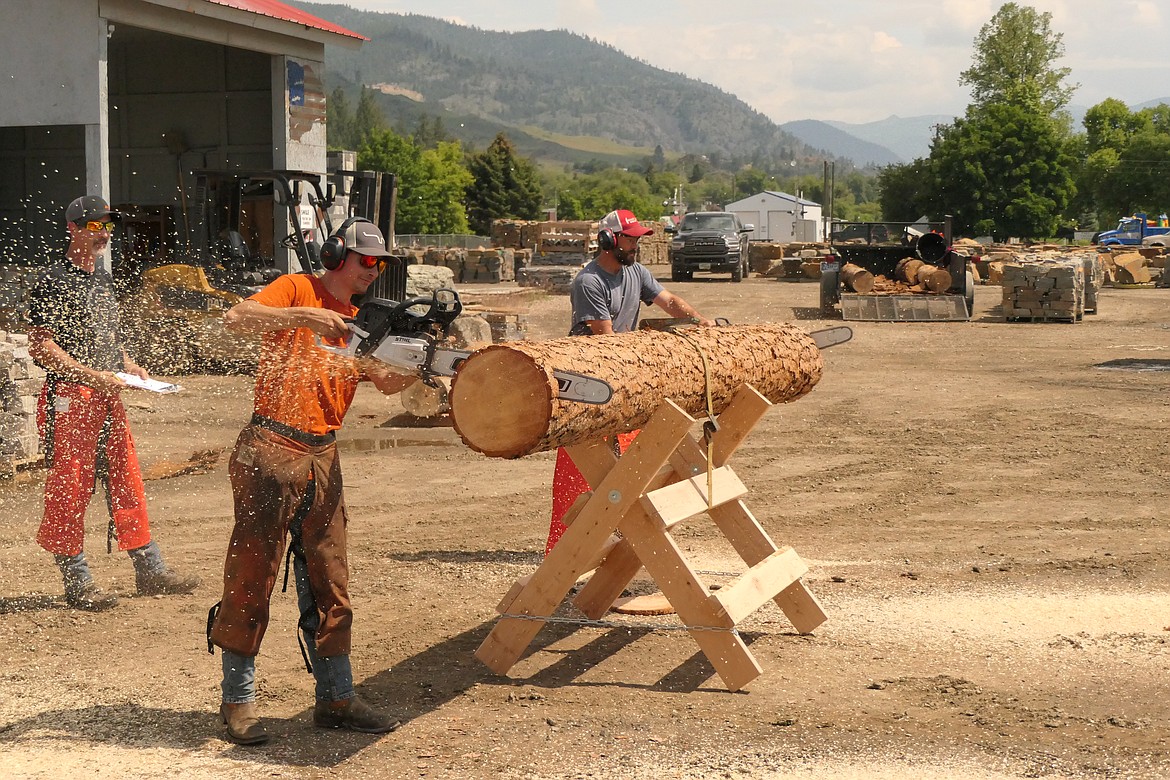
(1052, 291)
(20, 385)
(566, 237)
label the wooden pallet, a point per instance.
(11, 467)
(624, 524)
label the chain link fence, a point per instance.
(449, 240)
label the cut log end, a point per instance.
(510, 428)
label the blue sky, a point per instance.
(846, 60)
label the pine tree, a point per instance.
(505, 186)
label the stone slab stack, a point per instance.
(554, 279)
(20, 386)
(506, 326)
(1052, 290)
(654, 249)
(15, 283)
(489, 265)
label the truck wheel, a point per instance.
(830, 292)
(737, 272)
(969, 293)
(679, 275)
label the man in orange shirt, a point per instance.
(286, 479)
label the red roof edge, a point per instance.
(277, 10)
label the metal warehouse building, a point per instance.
(778, 216)
(126, 98)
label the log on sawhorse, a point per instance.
(623, 524)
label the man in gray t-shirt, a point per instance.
(607, 293)
(605, 297)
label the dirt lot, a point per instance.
(982, 508)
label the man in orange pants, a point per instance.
(606, 297)
(74, 337)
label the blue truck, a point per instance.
(1132, 230)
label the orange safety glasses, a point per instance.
(97, 225)
(370, 261)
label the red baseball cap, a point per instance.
(624, 221)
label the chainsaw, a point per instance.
(408, 335)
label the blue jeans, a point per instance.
(333, 674)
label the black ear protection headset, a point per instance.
(606, 240)
(334, 249)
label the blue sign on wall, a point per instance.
(296, 83)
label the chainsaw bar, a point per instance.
(571, 386)
(831, 337)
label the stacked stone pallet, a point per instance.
(555, 279)
(654, 249)
(15, 283)
(489, 265)
(763, 257)
(1049, 291)
(20, 385)
(508, 233)
(506, 326)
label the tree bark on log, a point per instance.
(934, 279)
(907, 270)
(857, 278)
(504, 397)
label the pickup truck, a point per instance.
(709, 241)
(1135, 230)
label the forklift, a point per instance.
(173, 302)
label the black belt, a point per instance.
(289, 432)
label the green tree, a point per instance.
(906, 191)
(1003, 169)
(504, 185)
(1126, 161)
(431, 182)
(385, 150)
(1017, 50)
(430, 132)
(444, 185)
(339, 121)
(368, 118)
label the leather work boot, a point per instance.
(91, 598)
(243, 725)
(167, 582)
(353, 714)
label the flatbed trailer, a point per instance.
(878, 247)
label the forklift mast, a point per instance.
(373, 195)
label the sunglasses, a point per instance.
(370, 261)
(96, 225)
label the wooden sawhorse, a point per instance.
(624, 524)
